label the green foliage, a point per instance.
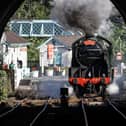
(32, 9)
(118, 39)
(3, 85)
(33, 52)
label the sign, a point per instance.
(50, 51)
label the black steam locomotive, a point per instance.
(91, 70)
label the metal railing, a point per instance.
(37, 28)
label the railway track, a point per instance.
(10, 111)
(61, 114)
(116, 109)
(19, 115)
(84, 112)
(104, 114)
(48, 114)
(40, 113)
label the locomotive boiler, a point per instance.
(91, 69)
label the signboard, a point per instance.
(50, 51)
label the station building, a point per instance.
(14, 50)
(56, 53)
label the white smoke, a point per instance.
(105, 28)
(118, 86)
(83, 15)
(113, 89)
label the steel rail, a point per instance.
(11, 110)
(116, 109)
(40, 113)
(84, 113)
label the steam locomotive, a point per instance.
(91, 69)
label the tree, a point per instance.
(33, 52)
(32, 9)
(118, 39)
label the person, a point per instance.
(11, 66)
(19, 63)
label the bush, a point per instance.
(3, 85)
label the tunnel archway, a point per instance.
(8, 8)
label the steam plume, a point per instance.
(113, 88)
(83, 15)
